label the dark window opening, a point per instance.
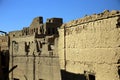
(49, 31)
(53, 31)
(13, 35)
(118, 61)
(49, 47)
(119, 71)
(3, 59)
(37, 46)
(71, 76)
(40, 44)
(27, 47)
(118, 25)
(29, 43)
(91, 77)
(40, 30)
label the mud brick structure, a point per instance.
(84, 49)
(91, 46)
(4, 41)
(33, 51)
(4, 56)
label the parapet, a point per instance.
(16, 33)
(91, 18)
(38, 19)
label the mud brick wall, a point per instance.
(91, 44)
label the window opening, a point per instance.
(119, 71)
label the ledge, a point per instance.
(95, 17)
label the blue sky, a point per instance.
(16, 14)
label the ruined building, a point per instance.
(33, 51)
(83, 49)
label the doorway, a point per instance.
(91, 77)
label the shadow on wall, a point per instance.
(4, 65)
(71, 76)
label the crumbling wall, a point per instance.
(91, 45)
(19, 57)
(47, 68)
(4, 42)
(4, 56)
(17, 33)
(33, 59)
(33, 53)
